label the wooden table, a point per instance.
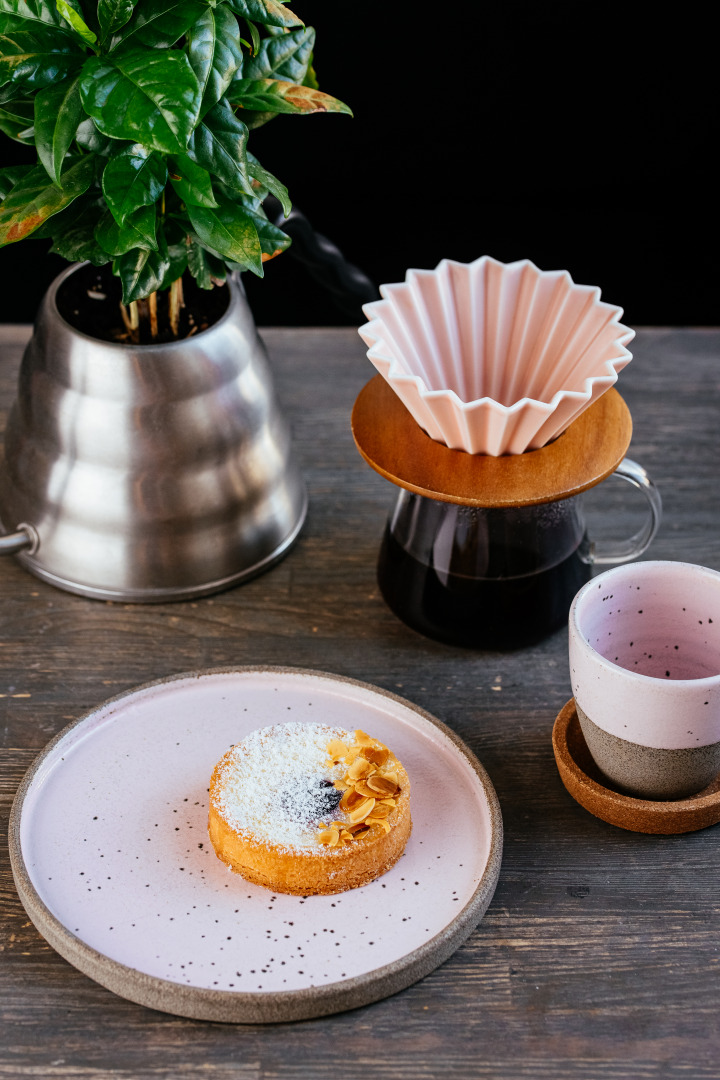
(600, 953)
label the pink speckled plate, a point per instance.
(110, 854)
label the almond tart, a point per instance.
(309, 809)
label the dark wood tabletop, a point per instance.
(599, 956)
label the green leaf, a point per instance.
(16, 120)
(76, 21)
(135, 177)
(36, 58)
(272, 95)
(17, 14)
(254, 37)
(11, 175)
(147, 97)
(229, 231)
(89, 138)
(142, 272)
(273, 241)
(34, 199)
(266, 12)
(58, 111)
(270, 183)
(113, 15)
(138, 231)
(158, 23)
(218, 145)
(192, 184)
(214, 53)
(286, 56)
(72, 232)
(206, 268)
(178, 260)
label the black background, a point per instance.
(576, 135)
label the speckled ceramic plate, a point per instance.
(111, 858)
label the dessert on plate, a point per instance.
(309, 808)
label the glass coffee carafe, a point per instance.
(500, 575)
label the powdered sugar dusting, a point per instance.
(278, 786)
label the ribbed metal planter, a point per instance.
(151, 472)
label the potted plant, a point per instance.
(176, 473)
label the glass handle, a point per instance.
(625, 550)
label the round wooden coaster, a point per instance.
(395, 445)
(586, 784)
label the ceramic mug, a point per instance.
(645, 671)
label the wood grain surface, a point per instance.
(599, 956)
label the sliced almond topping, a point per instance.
(381, 811)
(379, 821)
(359, 769)
(391, 775)
(387, 802)
(362, 789)
(361, 812)
(337, 749)
(360, 830)
(382, 786)
(377, 754)
(345, 836)
(329, 837)
(350, 800)
(362, 739)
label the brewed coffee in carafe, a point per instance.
(483, 577)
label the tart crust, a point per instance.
(306, 871)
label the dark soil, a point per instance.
(90, 301)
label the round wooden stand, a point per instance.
(395, 445)
(586, 784)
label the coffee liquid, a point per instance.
(493, 613)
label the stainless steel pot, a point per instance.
(148, 473)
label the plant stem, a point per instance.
(152, 304)
(131, 319)
(177, 301)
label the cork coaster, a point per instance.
(586, 784)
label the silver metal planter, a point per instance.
(148, 473)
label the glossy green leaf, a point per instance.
(76, 21)
(272, 95)
(142, 272)
(177, 264)
(158, 24)
(218, 145)
(89, 138)
(273, 241)
(35, 198)
(230, 232)
(206, 268)
(214, 52)
(72, 232)
(270, 183)
(11, 175)
(58, 112)
(192, 183)
(16, 120)
(286, 56)
(133, 178)
(138, 231)
(113, 15)
(24, 14)
(266, 12)
(36, 58)
(147, 97)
